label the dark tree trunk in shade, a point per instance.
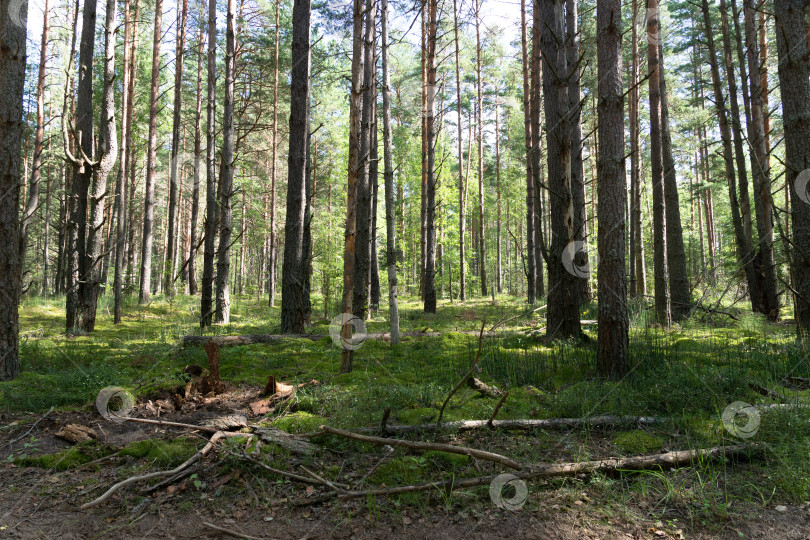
(763, 201)
(273, 244)
(207, 287)
(613, 355)
(151, 163)
(744, 247)
(794, 73)
(564, 285)
(430, 235)
(575, 115)
(531, 262)
(388, 176)
(679, 293)
(223, 295)
(661, 269)
(294, 293)
(12, 66)
(535, 92)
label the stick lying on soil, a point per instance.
(189, 462)
(419, 445)
(637, 463)
(530, 424)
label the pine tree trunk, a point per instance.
(430, 238)
(794, 73)
(388, 176)
(207, 288)
(575, 115)
(195, 190)
(613, 349)
(462, 192)
(661, 270)
(531, 262)
(498, 261)
(36, 162)
(271, 273)
(151, 163)
(482, 254)
(12, 66)
(177, 158)
(83, 167)
(108, 150)
(537, 141)
(763, 202)
(680, 296)
(223, 296)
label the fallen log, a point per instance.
(223, 341)
(419, 445)
(528, 425)
(679, 458)
(483, 388)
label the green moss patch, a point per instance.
(638, 442)
(67, 459)
(300, 422)
(161, 452)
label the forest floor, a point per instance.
(686, 377)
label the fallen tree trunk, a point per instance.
(528, 425)
(637, 463)
(275, 338)
(419, 445)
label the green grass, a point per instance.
(687, 375)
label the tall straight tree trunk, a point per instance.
(207, 289)
(430, 246)
(108, 150)
(46, 233)
(423, 192)
(679, 293)
(462, 192)
(763, 201)
(613, 352)
(482, 254)
(294, 290)
(575, 115)
(388, 176)
(77, 234)
(794, 73)
(12, 66)
(661, 270)
(177, 159)
(223, 302)
(132, 152)
(151, 163)
(362, 256)
(498, 261)
(638, 281)
(744, 248)
(564, 274)
(536, 87)
(531, 262)
(123, 167)
(195, 190)
(36, 162)
(354, 171)
(271, 274)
